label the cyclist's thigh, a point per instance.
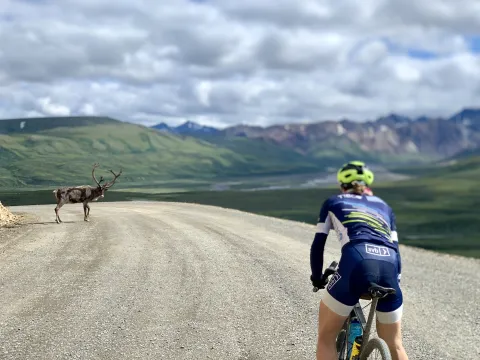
(339, 297)
(390, 308)
(384, 261)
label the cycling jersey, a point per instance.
(358, 218)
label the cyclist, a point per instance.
(365, 226)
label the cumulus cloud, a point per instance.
(46, 106)
(224, 62)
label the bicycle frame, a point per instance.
(343, 345)
(366, 325)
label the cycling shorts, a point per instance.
(360, 264)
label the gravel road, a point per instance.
(148, 280)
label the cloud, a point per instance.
(224, 62)
(46, 107)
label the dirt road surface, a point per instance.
(147, 280)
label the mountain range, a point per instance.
(393, 136)
(187, 128)
(53, 151)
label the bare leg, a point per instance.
(329, 325)
(392, 335)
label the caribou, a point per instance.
(83, 194)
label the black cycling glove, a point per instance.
(318, 283)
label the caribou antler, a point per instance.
(93, 174)
(110, 183)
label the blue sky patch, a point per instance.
(416, 53)
(421, 54)
(473, 43)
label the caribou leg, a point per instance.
(57, 209)
(86, 211)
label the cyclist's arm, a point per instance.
(394, 237)
(318, 244)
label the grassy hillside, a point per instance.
(33, 125)
(340, 149)
(467, 154)
(328, 152)
(65, 155)
(277, 156)
(453, 169)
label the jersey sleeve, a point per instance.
(394, 237)
(318, 244)
(324, 223)
(393, 227)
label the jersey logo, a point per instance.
(333, 280)
(377, 250)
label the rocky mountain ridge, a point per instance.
(187, 128)
(390, 135)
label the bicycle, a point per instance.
(358, 350)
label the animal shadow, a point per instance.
(49, 222)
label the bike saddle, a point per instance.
(376, 290)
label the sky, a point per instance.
(226, 62)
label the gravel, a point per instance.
(146, 280)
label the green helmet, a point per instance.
(355, 171)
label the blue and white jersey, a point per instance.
(358, 218)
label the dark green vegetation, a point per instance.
(436, 212)
(48, 155)
(461, 167)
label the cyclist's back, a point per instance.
(359, 218)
